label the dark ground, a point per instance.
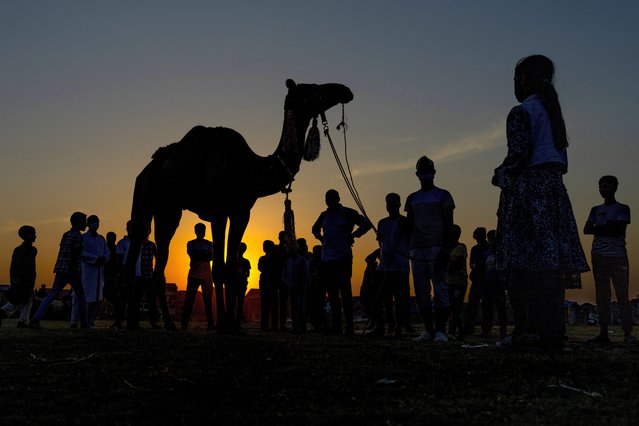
(61, 376)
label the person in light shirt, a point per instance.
(607, 222)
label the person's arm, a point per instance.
(363, 225)
(409, 223)
(106, 253)
(447, 218)
(612, 228)
(17, 268)
(88, 257)
(317, 227)
(375, 254)
(457, 262)
(448, 240)
(519, 143)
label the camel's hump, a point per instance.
(200, 139)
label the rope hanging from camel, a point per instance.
(289, 221)
(347, 175)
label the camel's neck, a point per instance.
(291, 146)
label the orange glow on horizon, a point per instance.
(178, 266)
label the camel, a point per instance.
(213, 173)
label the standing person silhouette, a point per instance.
(295, 275)
(392, 274)
(143, 285)
(121, 291)
(242, 274)
(22, 275)
(200, 251)
(95, 254)
(68, 270)
(493, 294)
(457, 282)
(316, 292)
(111, 268)
(334, 228)
(281, 302)
(268, 289)
(429, 213)
(477, 262)
(537, 243)
(608, 222)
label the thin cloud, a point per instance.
(473, 144)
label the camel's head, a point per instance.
(309, 100)
(303, 103)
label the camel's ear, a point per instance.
(290, 84)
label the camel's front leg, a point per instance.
(238, 223)
(166, 224)
(218, 231)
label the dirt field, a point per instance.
(61, 376)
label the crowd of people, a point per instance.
(526, 262)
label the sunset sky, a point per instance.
(90, 89)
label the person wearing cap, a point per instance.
(429, 213)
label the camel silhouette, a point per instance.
(213, 173)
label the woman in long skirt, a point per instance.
(538, 244)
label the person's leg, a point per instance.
(551, 310)
(376, 304)
(517, 295)
(74, 310)
(92, 312)
(120, 299)
(346, 293)
(403, 302)
(332, 288)
(534, 300)
(601, 274)
(189, 299)
(25, 310)
(283, 302)
(620, 277)
(441, 299)
(275, 305)
(207, 299)
(59, 282)
(264, 306)
(421, 283)
(502, 310)
(133, 318)
(83, 310)
(487, 305)
(296, 311)
(474, 298)
(241, 294)
(387, 297)
(456, 294)
(151, 301)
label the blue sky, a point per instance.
(90, 89)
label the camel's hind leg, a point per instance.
(166, 224)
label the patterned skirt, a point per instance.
(536, 228)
